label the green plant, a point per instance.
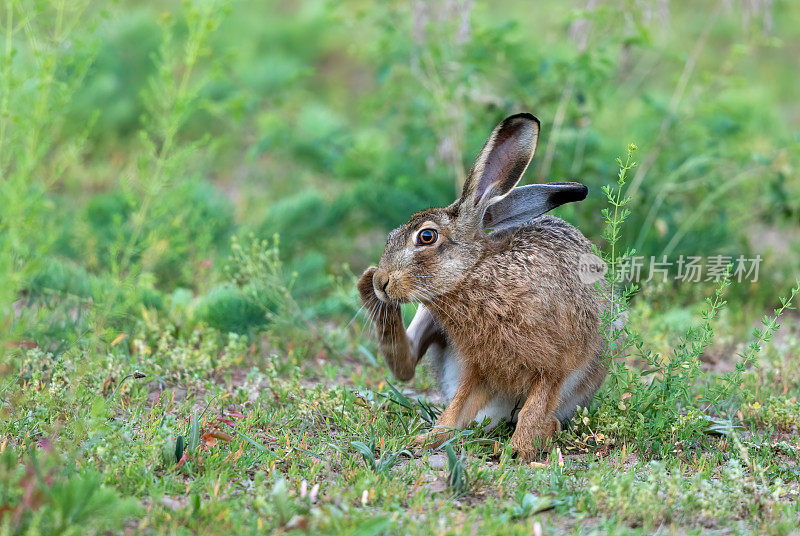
(782, 413)
(40, 500)
(383, 464)
(724, 393)
(457, 477)
(662, 394)
(37, 80)
(229, 309)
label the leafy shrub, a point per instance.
(302, 221)
(661, 406)
(782, 413)
(59, 502)
(113, 86)
(61, 277)
(107, 215)
(230, 310)
(197, 221)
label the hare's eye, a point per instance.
(427, 237)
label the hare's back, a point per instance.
(549, 233)
(540, 261)
(528, 308)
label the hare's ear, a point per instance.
(528, 202)
(500, 164)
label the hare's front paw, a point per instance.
(529, 444)
(429, 440)
(365, 289)
(422, 441)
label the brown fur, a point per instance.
(511, 302)
(391, 334)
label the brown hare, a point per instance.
(505, 312)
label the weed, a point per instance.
(384, 463)
(457, 477)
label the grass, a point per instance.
(172, 430)
(259, 439)
(187, 192)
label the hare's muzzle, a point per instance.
(380, 282)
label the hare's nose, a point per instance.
(380, 281)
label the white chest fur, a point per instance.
(445, 363)
(447, 367)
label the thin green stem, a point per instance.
(6, 81)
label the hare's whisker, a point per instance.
(445, 306)
(355, 315)
(383, 319)
(423, 295)
(456, 307)
(437, 308)
(373, 312)
(370, 319)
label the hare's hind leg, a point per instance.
(536, 420)
(579, 388)
(471, 396)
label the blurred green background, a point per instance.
(138, 137)
(189, 191)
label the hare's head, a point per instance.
(429, 255)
